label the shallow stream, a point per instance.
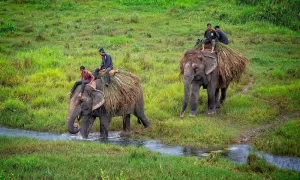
(236, 153)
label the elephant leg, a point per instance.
(217, 98)
(223, 95)
(211, 100)
(86, 125)
(142, 118)
(126, 122)
(104, 125)
(194, 98)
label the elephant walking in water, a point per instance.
(201, 69)
(91, 105)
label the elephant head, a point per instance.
(197, 68)
(90, 100)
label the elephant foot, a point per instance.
(193, 114)
(211, 111)
(181, 114)
(222, 101)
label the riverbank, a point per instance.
(28, 158)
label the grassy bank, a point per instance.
(30, 159)
(282, 140)
(43, 44)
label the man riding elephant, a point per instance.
(106, 65)
(86, 77)
(210, 37)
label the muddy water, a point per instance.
(236, 153)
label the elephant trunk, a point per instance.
(73, 128)
(188, 77)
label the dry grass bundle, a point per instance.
(123, 90)
(231, 64)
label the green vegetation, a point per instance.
(30, 159)
(282, 140)
(43, 44)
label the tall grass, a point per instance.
(284, 13)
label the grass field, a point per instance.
(43, 44)
(23, 158)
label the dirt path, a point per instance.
(248, 86)
(250, 135)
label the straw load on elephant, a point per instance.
(124, 89)
(231, 64)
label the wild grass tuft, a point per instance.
(14, 105)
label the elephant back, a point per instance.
(122, 93)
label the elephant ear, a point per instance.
(98, 99)
(210, 64)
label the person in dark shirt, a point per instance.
(210, 37)
(86, 77)
(106, 65)
(222, 36)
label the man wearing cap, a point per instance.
(106, 65)
(222, 36)
(210, 37)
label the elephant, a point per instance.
(90, 105)
(200, 68)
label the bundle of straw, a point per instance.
(124, 89)
(231, 64)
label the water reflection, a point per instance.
(236, 153)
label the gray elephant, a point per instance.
(200, 68)
(90, 105)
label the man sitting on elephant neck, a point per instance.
(210, 37)
(106, 65)
(86, 77)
